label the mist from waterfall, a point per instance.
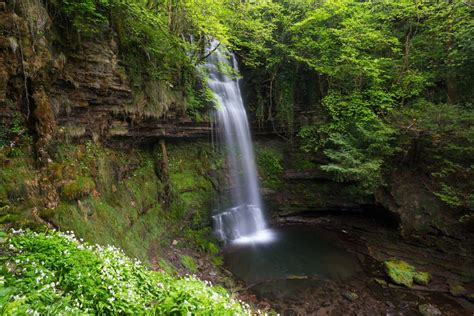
(244, 221)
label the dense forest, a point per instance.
(106, 113)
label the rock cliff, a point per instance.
(73, 90)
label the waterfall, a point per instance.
(244, 221)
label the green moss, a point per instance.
(422, 278)
(400, 272)
(457, 289)
(189, 263)
(78, 188)
(19, 190)
(15, 174)
(127, 208)
(202, 239)
(190, 166)
(125, 211)
(217, 261)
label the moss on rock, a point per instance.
(78, 188)
(457, 289)
(470, 297)
(402, 273)
(422, 278)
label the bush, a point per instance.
(358, 155)
(54, 273)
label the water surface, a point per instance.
(296, 256)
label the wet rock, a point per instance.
(470, 297)
(457, 289)
(351, 296)
(380, 282)
(429, 310)
(296, 277)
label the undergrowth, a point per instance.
(55, 273)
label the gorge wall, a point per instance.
(73, 90)
(84, 150)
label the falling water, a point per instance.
(244, 221)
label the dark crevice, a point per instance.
(380, 215)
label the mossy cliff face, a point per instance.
(68, 89)
(114, 197)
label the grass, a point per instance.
(189, 263)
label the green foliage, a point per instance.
(444, 136)
(313, 140)
(54, 273)
(13, 132)
(270, 168)
(401, 59)
(86, 16)
(149, 49)
(16, 175)
(358, 155)
(202, 240)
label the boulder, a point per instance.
(429, 310)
